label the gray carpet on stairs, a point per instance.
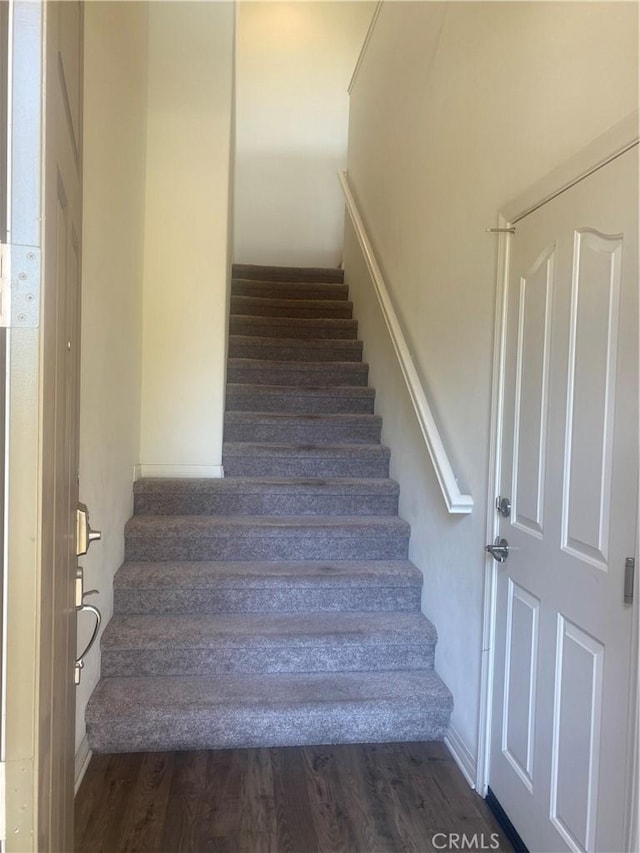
(275, 427)
(292, 349)
(253, 496)
(276, 606)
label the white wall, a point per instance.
(294, 63)
(115, 70)
(458, 108)
(186, 266)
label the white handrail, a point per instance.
(455, 501)
(365, 44)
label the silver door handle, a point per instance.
(499, 550)
(79, 665)
(80, 596)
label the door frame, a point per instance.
(4, 139)
(619, 139)
(24, 748)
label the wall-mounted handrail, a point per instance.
(455, 500)
(365, 44)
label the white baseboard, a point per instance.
(181, 471)
(461, 755)
(83, 757)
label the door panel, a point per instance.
(532, 384)
(576, 734)
(520, 681)
(60, 411)
(593, 347)
(570, 456)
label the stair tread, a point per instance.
(276, 525)
(145, 704)
(269, 272)
(300, 398)
(233, 710)
(254, 485)
(302, 390)
(334, 291)
(296, 350)
(299, 417)
(302, 428)
(245, 371)
(114, 695)
(303, 344)
(243, 448)
(345, 574)
(283, 302)
(285, 322)
(222, 630)
(305, 366)
(293, 328)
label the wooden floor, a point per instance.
(356, 799)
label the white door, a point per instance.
(44, 350)
(559, 750)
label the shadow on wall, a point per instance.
(289, 209)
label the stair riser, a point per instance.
(259, 272)
(239, 728)
(253, 544)
(250, 659)
(252, 466)
(283, 600)
(275, 350)
(250, 306)
(304, 432)
(355, 375)
(267, 504)
(258, 400)
(271, 328)
(289, 290)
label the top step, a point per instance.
(265, 273)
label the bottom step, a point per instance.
(237, 711)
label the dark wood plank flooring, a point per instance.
(378, 798)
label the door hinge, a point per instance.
(629, 577)
(20, 268)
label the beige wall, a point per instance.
(186, 239)
(115, 70)
(459, 107)
(294, 63)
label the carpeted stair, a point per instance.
(276, 606)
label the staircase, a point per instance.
(275, 606)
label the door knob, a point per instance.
(84, 534)
(499, 550)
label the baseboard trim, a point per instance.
(182, 471)
(83, 757)
(461, 755)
